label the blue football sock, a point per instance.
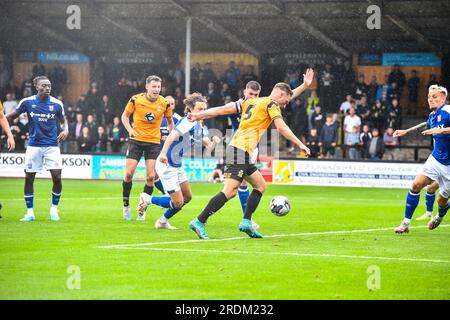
(163, 201)
(429, 201)
(243, 193)
(55, 198)
(171, 212)
(412, 200)
(159, 186)
(442, 211)
(29, 200)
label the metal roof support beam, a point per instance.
(319, 35)
(151, 42)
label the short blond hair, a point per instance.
(438, 88)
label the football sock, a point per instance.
(213, 206)
(243, 193)
(55, 201)
(252, 203)
(429, 201)
(412, 200)
(126, 190)
(159, 186)
(163, 201)
(443, 211)
(148, 190)
(29, 200)
(170, 212)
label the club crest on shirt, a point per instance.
(439, 118)
(159, 107)
(150, 116)
(51, 107)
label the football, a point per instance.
(280, 205)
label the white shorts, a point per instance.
(170, 177)
(37, 157)
(438, 172)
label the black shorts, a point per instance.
(237, 164)
(137, 148)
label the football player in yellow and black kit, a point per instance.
(256, 116)
(148, 109)
(5, 126)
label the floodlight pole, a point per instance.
(187, 63)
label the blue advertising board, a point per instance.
(411, 59)
(62, 57)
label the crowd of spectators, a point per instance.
(343, 112)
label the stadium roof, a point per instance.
(253, 26)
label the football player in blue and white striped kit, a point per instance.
(437, 166)
(45, 114)
(252, 90)
(169, 163)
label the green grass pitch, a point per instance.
(312, 253)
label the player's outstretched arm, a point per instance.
(288, 134)
(5, 125)
(173, 135)
(126, 123)
(210, 144)
(170, 124)
(307, 80)
(401, 133)
(229, 108)
(436, 131)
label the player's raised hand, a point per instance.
(399, 133)
(305, 148)
(192, 117)
(62, 135)
(11, 143)
(308, 76)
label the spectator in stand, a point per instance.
(375, 148)
(102, 140)
(27, 88)
(107, 113)
(224, 92)
(313, 101)
(20, 134)
(317, 118)
(249, 75)
(178, 75)
(92, 125)
(208, 76)
(117, 136)
(328, 138)
(351, 120)
(75, 129)
(361, 88)
(292, 77)
(364, 139)
(81, 106)
(300, 120)
(10, 104)
(58, 78)
(390, 142)
(378, 114)
(84, 141)
(179, 98)
(413, 92)
(195, 78)
(363, 111)
(383, 90)
(312, 142)
(94, 101)
(398, 77)
(433, 80)
(352, 144)
(394, 117)
(372, 89)
(71, 115)
(14, 90)
(346, 104)
(38, 70)
(326, 84)
(232, 76)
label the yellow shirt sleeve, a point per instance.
(130, 107)
(1, 107)
(274, 110)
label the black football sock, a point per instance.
(148, 190)
(252, 203)
(126, 190)
(213, 206)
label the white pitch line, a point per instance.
(147, 244)
(298, 254)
